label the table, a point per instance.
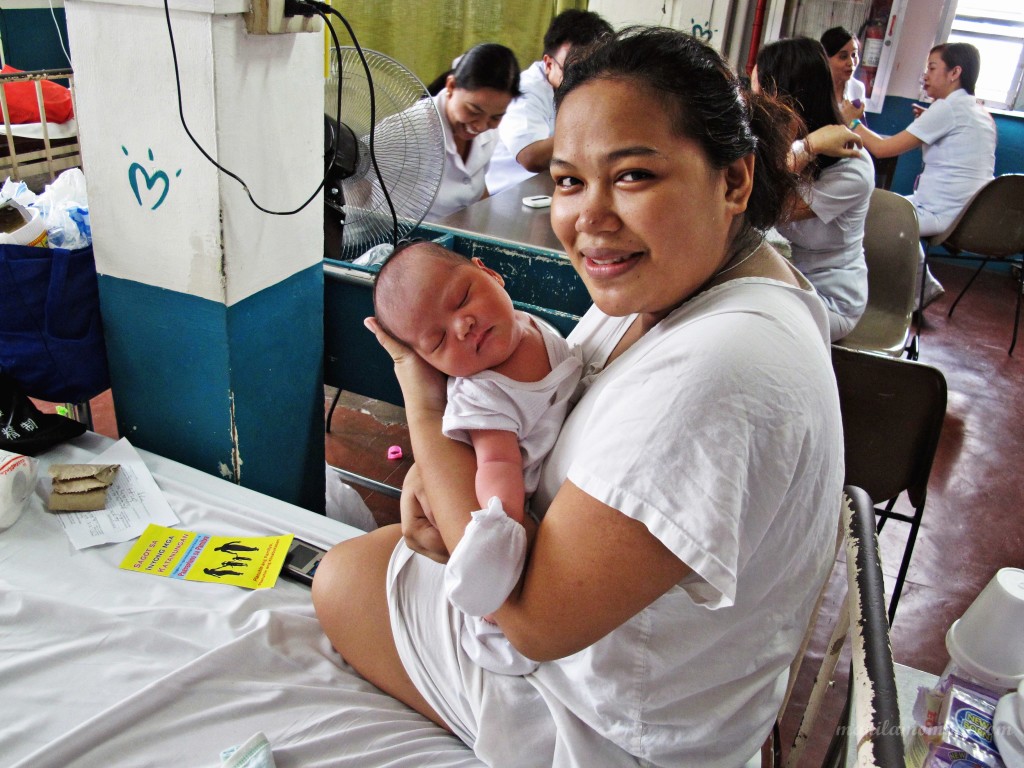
(504, 217)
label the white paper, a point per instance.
(133, 502)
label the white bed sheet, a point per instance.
(55, 131)
(102, 667)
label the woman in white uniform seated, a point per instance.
(843, 51)
(826, 225)
(692, 496)
(474, 98)
(958, 140)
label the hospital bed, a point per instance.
(104, 667)
(43, 148)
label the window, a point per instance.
(996, 29)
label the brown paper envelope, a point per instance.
(78, 486)
(89, 501)
(104, 473)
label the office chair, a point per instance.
(990, 228)
(892, 252)
(892, 413)
(861, 617)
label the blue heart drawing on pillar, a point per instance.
(151, 181)
(135, 170)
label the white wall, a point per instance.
(918, 36)
(923, 18)
(702, 18)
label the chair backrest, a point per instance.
(992, 223)
(892, 253)
(861, 616)
(892, 415)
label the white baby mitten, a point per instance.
(487, 562)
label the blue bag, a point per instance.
(51, 334)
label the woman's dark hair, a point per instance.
(833, 40)
(965, 56)
(797, 69)
(576, 28)
(706, 103)
(488, 65)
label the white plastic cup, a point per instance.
(987, 642)
(17, 481)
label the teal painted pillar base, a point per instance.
(235, 391)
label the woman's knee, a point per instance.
(351, 574)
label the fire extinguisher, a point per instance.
(871, 47)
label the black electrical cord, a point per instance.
(218, 166)
(322, 9)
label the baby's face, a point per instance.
(461, 320)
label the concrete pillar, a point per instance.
(212, 309)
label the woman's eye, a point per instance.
(566, 182)
(635, 175)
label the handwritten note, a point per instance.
(133, 502)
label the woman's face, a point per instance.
(644, 218)
(470, 113)
(844, 62)
(940, 80)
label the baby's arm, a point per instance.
(487, 562)
(499, 470)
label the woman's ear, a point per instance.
(956, 72)
(449, 84)
(739, 183)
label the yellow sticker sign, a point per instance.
(253, 562)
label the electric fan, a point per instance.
(408, 143)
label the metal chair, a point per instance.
(990, 228)
(892, 416)
(861, 617)
(892, 251)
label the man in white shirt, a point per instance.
(528, 126)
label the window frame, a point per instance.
(1014, 100)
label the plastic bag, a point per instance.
(64, 205)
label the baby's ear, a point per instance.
(479, 264)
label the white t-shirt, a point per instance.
(720, 431)
(829, 247)
(463, 181)
(854, 89)
(959, 157)
(534, 410)
(529, 118)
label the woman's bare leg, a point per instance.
(351, 602)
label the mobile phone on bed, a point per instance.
(302, 561)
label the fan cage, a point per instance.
(408, 143)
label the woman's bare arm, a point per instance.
(889, 146)
(590, 567)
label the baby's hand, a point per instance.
(918, 110)
(418, 528)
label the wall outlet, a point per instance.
(266, 17)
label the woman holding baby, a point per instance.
(689, 506)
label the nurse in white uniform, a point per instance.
(843, 51)
(826, 225)
(958, 141)
(472, 102)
